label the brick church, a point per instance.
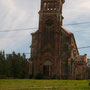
(54, 50)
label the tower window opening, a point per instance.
(51, 8)
(54, 8)
(48, 9)
(50, 5)
(45, 4)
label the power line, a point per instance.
(77, 23)
(28, 53)
(27, 29)
(84, 47)
(78, 48)
(18, 53)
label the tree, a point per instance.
(2, 64)
(19, 66)
(13, 66)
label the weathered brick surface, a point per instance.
(53, 48)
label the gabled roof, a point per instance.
(72, 35)
(62, 28)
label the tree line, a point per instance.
(13, 66)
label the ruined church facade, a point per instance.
(54, 51)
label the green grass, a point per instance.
(27, 84)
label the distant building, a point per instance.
(54, 51)
(88, 64)
(80, 67)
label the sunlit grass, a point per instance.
(28, 84)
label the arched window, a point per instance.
(50, 5)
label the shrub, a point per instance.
(54, 76)
(3, 77)
(39, 76)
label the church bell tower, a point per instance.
(51, 13)
(46, 41)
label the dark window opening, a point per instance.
(47, 70)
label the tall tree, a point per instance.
(2, 63)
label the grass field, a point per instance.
(26, 84)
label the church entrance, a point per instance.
(47, 68)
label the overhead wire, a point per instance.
(77, 23)
(17, 53)
(17, 30)
(27, 29)
(29, 52)
(84, 47)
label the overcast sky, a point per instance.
(21, 14)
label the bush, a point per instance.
(89, 83)
(3, 77)
(54, 76)
(39, 76)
